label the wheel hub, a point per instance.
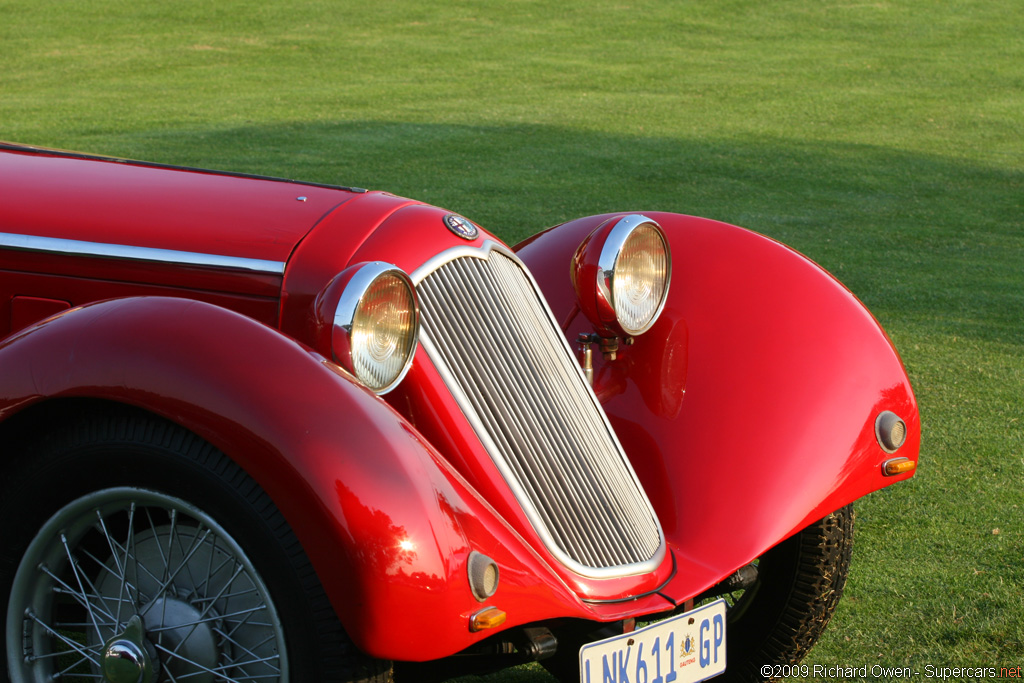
(178, 621)
(186, 642)
(128, 657)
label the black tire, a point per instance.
(207, 545)
(800, 581)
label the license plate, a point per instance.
(687, 648)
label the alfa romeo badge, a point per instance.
(461, 226)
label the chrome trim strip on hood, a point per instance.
(55, 245)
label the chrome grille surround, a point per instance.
(492, 337)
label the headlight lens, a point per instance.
(376, 325)
(639, 279)
(621, 273)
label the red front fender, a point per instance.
(748, 410)
(386, 522)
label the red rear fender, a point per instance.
(748, 410)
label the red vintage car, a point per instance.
(262, 430)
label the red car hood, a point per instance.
(174, 211)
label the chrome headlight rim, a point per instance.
(351, 303)
(608, 261)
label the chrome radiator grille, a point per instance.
(488, 331)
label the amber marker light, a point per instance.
(891, 468)
(488, 617)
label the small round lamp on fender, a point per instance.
(890, 430)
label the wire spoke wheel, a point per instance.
(137, 552)
(126, 585)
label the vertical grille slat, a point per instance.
(488, 331)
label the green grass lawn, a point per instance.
(883, 139)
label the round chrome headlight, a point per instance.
(376, 324)
(622, 274)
